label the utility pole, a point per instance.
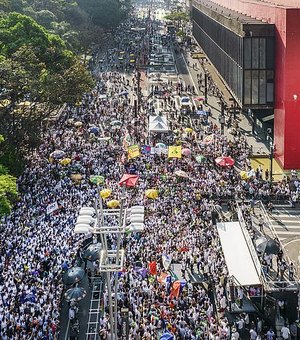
(271, 156)
(271, 161)
(205, 86)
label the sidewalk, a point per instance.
(244, 125)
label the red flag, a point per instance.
(163, 278)
(175, 290)
(152, 268)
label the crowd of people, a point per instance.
(38, 244)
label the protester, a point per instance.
(38, 243)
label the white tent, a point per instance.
(237, 254)
(158, 124)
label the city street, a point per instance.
(141, 215)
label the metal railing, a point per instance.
(269, 284)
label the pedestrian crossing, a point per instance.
(286, 222)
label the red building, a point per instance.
(285, 16)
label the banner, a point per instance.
(175, 151)
(175, 290)
(133, 151)
(152, 268)
(145, 149)
(166, 261)
(51, 207)
(127, 140)
(163, 278)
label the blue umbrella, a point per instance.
(167, 336)
(201, 112)
(185, 99)
(75, 294)
(94, 130)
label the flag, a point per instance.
(175, 289)
(167, 336)
(133, 151)
(175, 151)
(123, 159)
(152, 268)
(127, 140)
(166, 261)
(164, 278)
(141, 271)
(52, 207)
(145, 149)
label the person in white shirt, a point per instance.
(234, 334)
(253, 334)
(285, 332)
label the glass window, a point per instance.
(247, 53)
(254, 87)
(262, 87)
(270, 86)
(270, 53)
(255, 52)
(262, 53)
(247, 87)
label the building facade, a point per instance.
(255, 48)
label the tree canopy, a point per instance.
(71, 19)
(8, 188)
(37, 75)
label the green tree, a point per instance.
(105, 13)
(35, 67)
(8, 188)
(178, 18)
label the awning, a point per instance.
(237, 254)
(158, 124)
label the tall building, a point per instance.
(255, 46)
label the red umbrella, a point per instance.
(225, 161)
(128, 180)
(199, 99)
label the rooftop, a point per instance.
(228, 13)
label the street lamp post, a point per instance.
(271, 161)
(111, 260)
(205, 86)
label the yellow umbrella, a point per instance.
(132, 61)
(113, 204)
(105, 193)
(26, 103)
(151, 193)
(131, 54)
(244, 175)
(76, 177)
(188, 130)
(65, 161)
(4, 102)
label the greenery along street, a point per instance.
(41, 43)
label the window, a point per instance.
(262, 87)
(262, 53)
(254, 87)
(270, 86)
(255, 52)
(247, 53)
(247, 87)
